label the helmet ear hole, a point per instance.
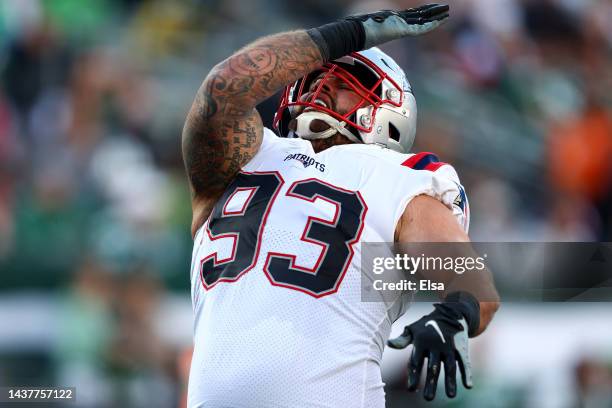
(394, 133)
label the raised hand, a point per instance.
(387, 25)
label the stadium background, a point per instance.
(94, 208)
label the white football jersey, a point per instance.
(275, 275)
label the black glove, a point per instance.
(388, 25)
(441, 336)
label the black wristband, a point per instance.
(338, 39)
(468, 306)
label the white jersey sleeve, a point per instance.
(441, 183)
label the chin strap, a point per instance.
(305, 119)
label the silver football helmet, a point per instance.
(385, 115)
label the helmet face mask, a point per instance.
(384, 114)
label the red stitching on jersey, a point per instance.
(411, 161)
(325, 246)
(240, 211)
(236, 235)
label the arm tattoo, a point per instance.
(223, 131)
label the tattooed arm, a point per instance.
(223, 131)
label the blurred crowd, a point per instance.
(516, 94)
(111, 344)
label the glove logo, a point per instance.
(434, 324)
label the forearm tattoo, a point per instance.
(223, 130)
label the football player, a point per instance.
(278, 221)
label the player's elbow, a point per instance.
(212, 85)
(228, 90)
(487, 312)
(491, 306)
(426, 219)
